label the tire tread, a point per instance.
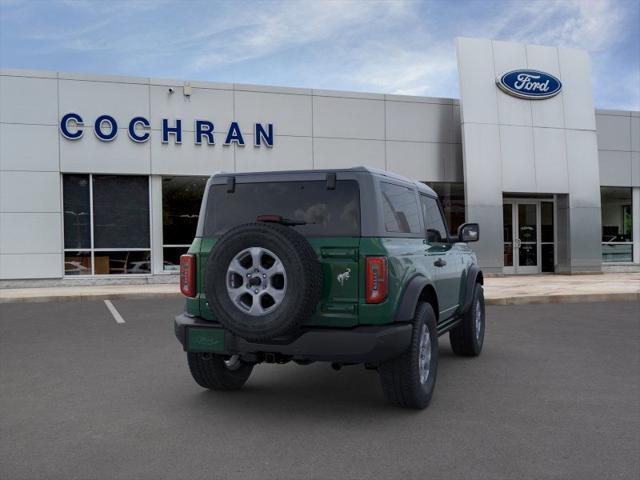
(213, 374)
(400, 379)
(462, 337)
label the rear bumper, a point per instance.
(364, 344)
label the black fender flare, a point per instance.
(410, 297)
(474, 275)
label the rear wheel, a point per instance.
(409, 380)
(468, 337)
(218, 372)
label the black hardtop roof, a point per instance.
(359, 169)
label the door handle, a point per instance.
(439, 263)
(518, 243)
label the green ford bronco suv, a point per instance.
(344, 266)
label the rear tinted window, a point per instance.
(327, 212)
(400, 208)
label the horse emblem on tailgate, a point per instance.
(344, 276)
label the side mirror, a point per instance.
(469, 232)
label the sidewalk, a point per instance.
(512, 290)
(524, 289)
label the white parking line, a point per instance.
(116, 315)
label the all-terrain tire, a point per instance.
(468, 337)
(401, 377)
(210, 371)
(303, 280)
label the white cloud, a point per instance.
(291, 25)
(590, 24)
(407, 72)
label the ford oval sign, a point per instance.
(529, 84)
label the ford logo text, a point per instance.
(529, 84)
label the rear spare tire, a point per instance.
(262, 280)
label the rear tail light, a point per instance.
(188, 275)
(376, 281)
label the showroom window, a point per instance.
(452, 199)
(617, 224)
(106, 225)
(181, 198)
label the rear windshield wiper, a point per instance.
(281, 220)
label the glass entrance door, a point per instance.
(526, 240)
(528, 236)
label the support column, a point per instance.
(156, 224)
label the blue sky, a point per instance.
(400, 46)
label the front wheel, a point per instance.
(218, 372)
(409, 380)
(468, 337)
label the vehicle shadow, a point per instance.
(276, 392)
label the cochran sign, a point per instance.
(105, 128)
(529, 84)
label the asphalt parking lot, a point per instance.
(555, 394)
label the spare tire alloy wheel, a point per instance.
(262, 281)
(256, 281)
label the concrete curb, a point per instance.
(565, 298)
(91, 297)
(499, 301)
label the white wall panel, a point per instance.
(123, 101)
(518, 164)
(345, 153)
(347, 94)
(482, 164)
(290, 114)
(121, 155)
(419, 122)
(28, 100)
(29, 192)
(265, 88)
(635, 169)
(550, 112)
(477, 80)
(456, 127)
(203, 104)
(509, 56)
(290, 153)
(30, 233)
(348, 118)
(454, 169)
(88, 77)
(582, 161)
(615, 168)
(26, 266)
(614, 132)
(635, 134)
(551, 160)
(577, 93)
(191, 159)
(29, 147)
(418, 160)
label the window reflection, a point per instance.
(452, 199)
(617, 224)
(117, 207)
(181, 199)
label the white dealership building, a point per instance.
(101, 176)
